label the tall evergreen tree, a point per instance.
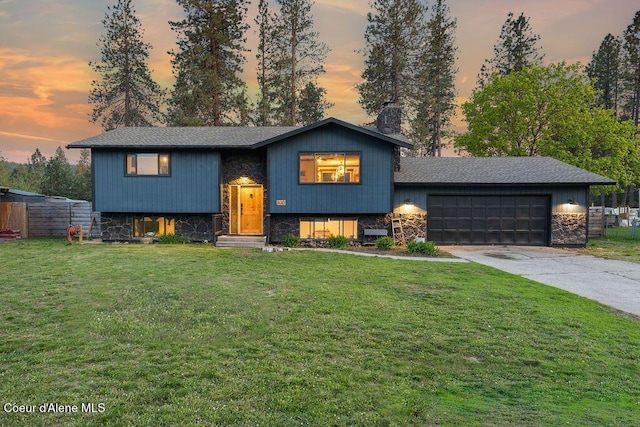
(265, 64)
(299, 57)
(435, 83)
(631, 52)
(125, 94)
(58, 178)
(516, 48)
(313, 104)
(208, 89)
(605, 72)
(393, 40)
(82, 187)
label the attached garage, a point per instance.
(489, 220)
(532, 201)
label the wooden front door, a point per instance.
(250, 199)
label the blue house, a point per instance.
(328, 178)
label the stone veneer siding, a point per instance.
(119, 227)
(569, 229)
(413, 225)
(246, 168)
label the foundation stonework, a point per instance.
(413, 225)
(119, 227)
(569, 229)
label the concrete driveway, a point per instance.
(614, 283)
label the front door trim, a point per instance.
(246, 209)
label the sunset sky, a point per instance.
(45, 47)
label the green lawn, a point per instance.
(618, 244)
(191, 335)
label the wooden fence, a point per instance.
(13, 215)
(52, 219)
(596, 222)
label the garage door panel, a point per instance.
(521, 220)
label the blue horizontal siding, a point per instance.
(371, 195)
(192, 187)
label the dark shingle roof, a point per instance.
(214, 137)
(182, 137)
(493, 170)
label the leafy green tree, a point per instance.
(58, 178)
(631, 53)
(313, 104)
(28, 177)
(516, 48)
(435, 83)
(394, 37)
(125, 94)
(5, 172)
(299, 57)
(605, 71)
(209, 90)
(549, 111)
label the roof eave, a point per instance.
(504, 184)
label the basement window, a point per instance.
(147, 164)
(323, 228)
(153, 226)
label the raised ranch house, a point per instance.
(328, 178)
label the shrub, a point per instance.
(290, 241)
(171, 239)
(427, 248)
(338, 242)
(384, 242)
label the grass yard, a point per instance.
(618, 244)
(192, 335)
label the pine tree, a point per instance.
(299, 57)
(393, 40)
(208, 89)
(265, 68)
(125, 95)
(58, 178)
(516, 48)
(435, 83)
(631, 53)
(82, 187)
(604, 69)
(313, 104)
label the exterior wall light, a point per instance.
(572, 202)
(408, 202)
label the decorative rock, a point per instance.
(569, 229)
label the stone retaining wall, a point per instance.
(569, 229)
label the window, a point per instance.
(149, 164)
(153, 226)
(323, 228)
(343, 168)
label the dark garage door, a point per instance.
(487, 220)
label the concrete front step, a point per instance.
(241, 241)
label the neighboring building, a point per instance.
(328, 178)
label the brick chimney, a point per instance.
(389, 119)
